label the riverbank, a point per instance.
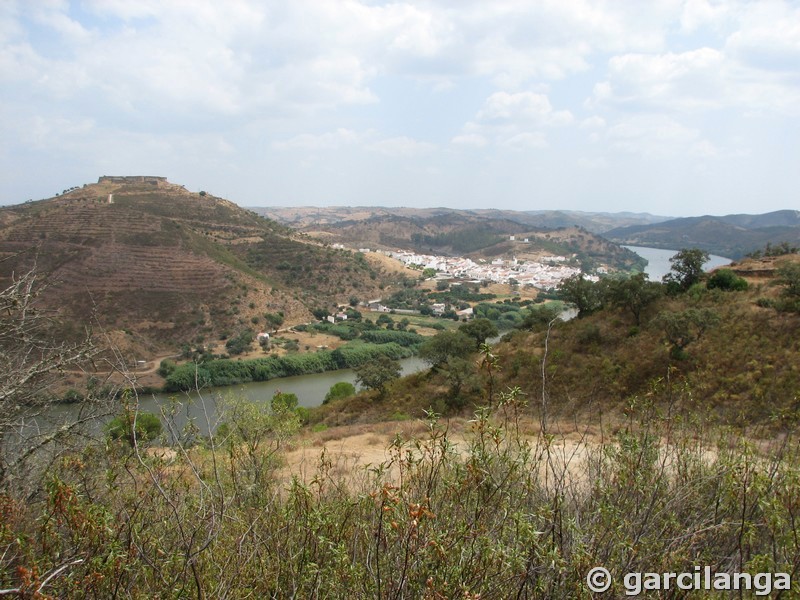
(225, 372)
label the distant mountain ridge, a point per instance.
(480, 234)
(729, 235)
(309, 217)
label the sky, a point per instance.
(672, 107)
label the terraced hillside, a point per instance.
(166, 266)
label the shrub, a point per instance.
(385, 336)
(72, 395)
(166, 367)
(726, 280)
(147, 427)
(342, 389)
(241, 343)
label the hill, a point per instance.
(722, 356)
(731, 235)
(309, 218)
(740, 364)
(159, 266)
(481, 234)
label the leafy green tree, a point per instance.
(241, 343)
(145, 425)
(377, 374)
(459, 373)
(283, 401)
(274, 320)
(634, 294)
(444, 345)
(255, 432)
(166, 367)
(353, 314)
(788, 276)
(479, 330)
(342, 389)
(684, 327)
(585, 295)
(726, 280)
(428, 273)
(538, 317)
(687, 268)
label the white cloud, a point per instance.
(523, 140)
(768, 38)
(752, 68)
(523, 106)
(254, 85)
(515, 120)
(517, 41)
(657, 136)
(700, 13)
(688, 80)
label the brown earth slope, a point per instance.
(165, 266)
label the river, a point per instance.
(309, 389)
(201, 407)
(658, 263)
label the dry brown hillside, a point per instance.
(160, 266)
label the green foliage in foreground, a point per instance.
(146, 427)
(726, 280)
(499, 516)
(339, 390)
(190, 376)
(377, 374)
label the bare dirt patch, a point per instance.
(390, 264)
(349, 451)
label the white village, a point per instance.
(546, 273)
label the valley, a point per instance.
(181, 369)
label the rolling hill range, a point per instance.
(159, 266)
(480, 234)
(731, 235)
(310, 218)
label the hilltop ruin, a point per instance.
(146, 179)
